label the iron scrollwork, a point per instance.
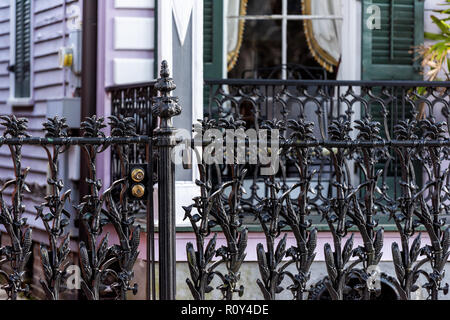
(421, 206)
(97, 210)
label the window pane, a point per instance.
(294, 7)
(301, 63)
(260, 51)
(259, 7)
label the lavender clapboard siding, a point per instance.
(4, 50)
(49, 33)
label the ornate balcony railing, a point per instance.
(133, 101)
(321, 102)
(352, 153)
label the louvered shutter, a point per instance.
(23, 49)
(212, 42)
(387, 53)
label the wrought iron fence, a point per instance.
(98, 208)
(351, 153)
(271, 102)
(106, 269)
(354, 154)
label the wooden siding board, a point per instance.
(48, 93)
(5, 41)
(45, 63)
(48, 47)
(4, 13)
(4, 82)
(48, 17)
(32, 152)
(46, 5)
(38, 166)
(32, 176)
(4, 3)
(42, 79)
(4, 55)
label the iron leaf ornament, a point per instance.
(55, 258)
(11, 212)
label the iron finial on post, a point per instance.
(166, 106)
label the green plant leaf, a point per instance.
(421, 90)
(435, 36)
(445, 28)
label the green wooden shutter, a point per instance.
(212, 43)
(387, 53)
(23, 49)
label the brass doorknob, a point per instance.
(138, 191)
(137, 175)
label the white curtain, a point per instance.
(324, 35)
(233, 24)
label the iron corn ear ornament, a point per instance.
(330, 263)
(348, 250)
(398, 262)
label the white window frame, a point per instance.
(13, 100)
(285, 17)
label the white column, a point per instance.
(165, 31)
(350, 68)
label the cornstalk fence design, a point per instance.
(353, 157)
(351, 154)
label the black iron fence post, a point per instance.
(166, 108)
